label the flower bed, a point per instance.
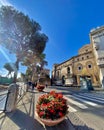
(51, 106)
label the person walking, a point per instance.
(33, 85)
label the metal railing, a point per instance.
(21, 91)
(10, 97)
(3, 99)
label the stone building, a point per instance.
(89, 63)
(97, 40)
(44, 77)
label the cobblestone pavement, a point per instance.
(23, 118)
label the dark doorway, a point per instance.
(63, 80)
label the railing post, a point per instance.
(12, 97)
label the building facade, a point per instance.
(44, 77)
(89, 63)
(97, 40)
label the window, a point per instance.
(79, 68)
(68, 70)
(82, 58)
(87, 56)
(77, 59)
(58, 73)
(89, 66)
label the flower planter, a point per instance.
(40, 88)
(51, 108)
(49, 122)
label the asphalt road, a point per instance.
(87, 105)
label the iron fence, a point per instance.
(21, 91)
(7, 95)
(3, 99)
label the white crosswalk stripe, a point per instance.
(96, 94)
(83, 101)
(71, 109)
(92, 96)
(1, 111)
(80, 105)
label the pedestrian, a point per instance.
(33, 85)
(46, 85)
(29, 83)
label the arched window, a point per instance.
(68, 70)
(82, 58)
(58, 73)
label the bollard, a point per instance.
(12, 98)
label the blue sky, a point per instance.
(67, 23)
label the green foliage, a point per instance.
(10, 67)
(21, 35)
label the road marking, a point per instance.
(89, 98)
(80, 105)
(71, 109)
(1, 111)
(93, 96)
(83, 100)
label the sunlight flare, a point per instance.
(4, 54)
(4, 2)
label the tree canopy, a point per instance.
(20, 34)
(10, 67)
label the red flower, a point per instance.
(61, 114)
(52, 111)
(52, 93)
(60, 95)
(51, 106)
(41, 113)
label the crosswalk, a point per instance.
(83, 101)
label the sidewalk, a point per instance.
(23, 118)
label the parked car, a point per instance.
(69, 82)
(58, 82)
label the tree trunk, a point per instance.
(16, 70)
